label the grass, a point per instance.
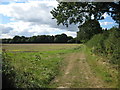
(36, 69)
(36, 65)
(102, 69)
(37, 47)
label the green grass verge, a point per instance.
(105, 72)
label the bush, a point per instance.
(107, 44)
(8, 72)
(97, 43)
(112, 45)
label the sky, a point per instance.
(29, 18)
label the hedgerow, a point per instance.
(107, 44)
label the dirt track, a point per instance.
(77, 73)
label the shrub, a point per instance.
(8, 72)
(107, 44)
(112, 45)
(97, 43)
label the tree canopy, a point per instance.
(60, 38)
(88, 30)
(78, 12)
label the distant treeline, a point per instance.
(61, 38)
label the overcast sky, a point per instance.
(34, 18)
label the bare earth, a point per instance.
(77, 73)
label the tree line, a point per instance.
(60, 38)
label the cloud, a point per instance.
(34, 12)
(26, 29)
(69, 33)
(5, 36)
(5, 30)
(105, 15)
(33, 18)
(105, 23)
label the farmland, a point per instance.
(56, 66)
(36, 65)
